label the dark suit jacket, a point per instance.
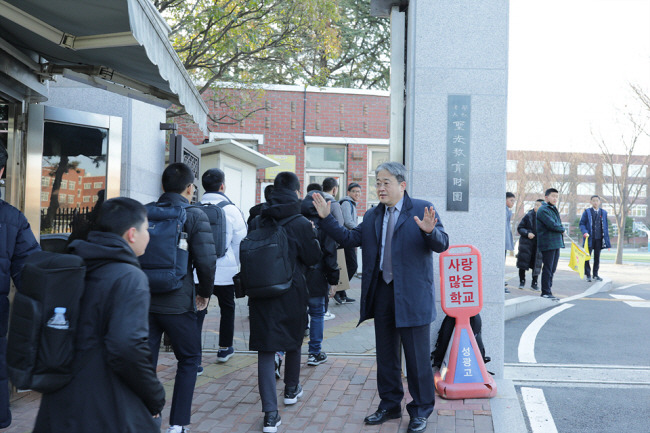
(412, 254)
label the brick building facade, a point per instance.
(578, 176)
(314, 132)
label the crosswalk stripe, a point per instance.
(632, 301)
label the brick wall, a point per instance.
(355, 114)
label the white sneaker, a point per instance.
(175, 429)
(329, 316)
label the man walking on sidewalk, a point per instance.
(349, 210)
(510, 244)
(594, 225)
(214, 184)
(398, 238)
(549, 239)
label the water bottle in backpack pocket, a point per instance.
(166, 258)
(40, 346)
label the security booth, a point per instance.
(84, 87)
(240, 163)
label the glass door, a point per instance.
(74, 157)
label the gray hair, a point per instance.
(395, 168)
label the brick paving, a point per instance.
(338, 394)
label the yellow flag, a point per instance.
(578, 257)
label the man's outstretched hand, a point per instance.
(428, 222)
(322, 206)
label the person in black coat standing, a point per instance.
(527, 257)
(278, 324)
(114, 388)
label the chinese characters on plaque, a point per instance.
(458, 147)
(461, 281)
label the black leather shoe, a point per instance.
(382, 416)
(597, 278)
(417, 425)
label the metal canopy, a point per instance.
(104, 41)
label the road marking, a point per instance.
(628, 286)
(632, 301)
(539, 416)
(526, 350)
(589, 374)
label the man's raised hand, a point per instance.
(322, 206)
(428, 222)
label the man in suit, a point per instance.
(398, 238)
(594, 224)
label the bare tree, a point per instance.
(621, 172)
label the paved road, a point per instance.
(584, 366)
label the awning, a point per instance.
(101, 41)
(239, 151)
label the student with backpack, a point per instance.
(113, 387)
(277, 323)
(181, 244)
(18, 242)
(319, 278)
(228, 228)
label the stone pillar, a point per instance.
(460, 47)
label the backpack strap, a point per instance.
(287, 219)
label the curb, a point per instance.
(507, 416)
(523, 305)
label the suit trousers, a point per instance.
(186, 343)
(266, 376)
(549, 266)
(597, 246)
(417, 347)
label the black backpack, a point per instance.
(40, 357)
(266, 268)
(217, 217)
(166, 257)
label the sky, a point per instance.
(571, 63)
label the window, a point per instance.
(635, 170)
(62, 198)
(586, 188)
(534, 167)
(376, 156)
(64, 184)
(71, 184)
(78, 193)
(641, 189)
(608, 207)
(45, 181)
(325, 158)
(638, 210)
(562, 187)
(566, 227)
(614, 229)
(580, 208)
(511, 186)
(97, 184)
(607, 169)
(94, 198)
(86, 199)
(561, 167)
(70, 199)
(511, 166)
(610, 190)
(563, 208)
(88, 185)
(587, 169)
(534, 187)
(45, 196)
